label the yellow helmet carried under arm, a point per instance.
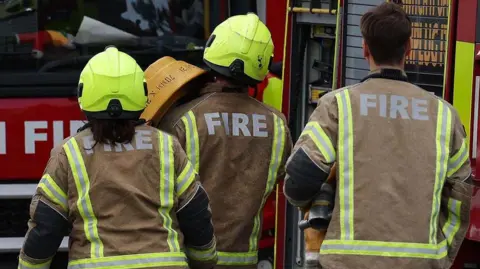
(240, 48)
(112, 86)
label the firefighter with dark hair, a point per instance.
(127, 191)
(403, 176)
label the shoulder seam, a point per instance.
(192, 108)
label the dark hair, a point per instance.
(113, 131)
(386, 30)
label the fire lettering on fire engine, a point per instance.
(3, 138)
(36, 131)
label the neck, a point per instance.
(374, 67)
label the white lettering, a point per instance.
(257, 125)
(367, 101)
(399, 105)
(127, 146)
(88, 143)
(31, 136)
(143, 139)
(57, 132)
(211, 123)
(419, 106)
(75, 125)
(3, 138)
(239, 122)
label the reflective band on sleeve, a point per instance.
(237, 258)
(458, 159)
(185, 179)
(442, 142)
(202, 255)
(452, 225)
(22, 264)
(82, 183)
(278, 146)
(345, 162)
(53, 191)
(384, 249)
(167, 188)
(192, 143)
(132, 261)
(321, 140)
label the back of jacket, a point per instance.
(239, 146)
(122, 199)
(402, 158)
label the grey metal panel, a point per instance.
(353, 30)
(366, 2)
(353, 41)
(358, 9)
(349, 82)
(14, 244)
(355, 73)
(17, 191)
(353, 19)
(325, 19)
(356, 63)
(354, 52)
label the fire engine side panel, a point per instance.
(29, 128)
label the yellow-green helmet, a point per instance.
(240, 48)
(112, 86)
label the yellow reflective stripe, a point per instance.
(452, 225)
(442, 142)
(458, 159)
(384, 249)
(278, 145)
(202, 255)
(185, 179)
(167, 187)
(23, 264)
(132, 261)
(53, 191)
(237, 258)
(345, 161)
(321, 140)
(192, 143)
(82, 183)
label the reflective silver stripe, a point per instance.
(168, 185)
(442, 146)
(237, 258)
(345, 166)
(325, 145)
(84, 198)
(185, 179)
(122, 262)
(22, 264)
(52, 190)
(191, 139)
(201, 255)
(453, 223)
(453, 166)
(386, 250)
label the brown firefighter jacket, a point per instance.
(120, 200)
(239, 146)
(402, 197)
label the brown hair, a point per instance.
(386, 30)
(113, 131)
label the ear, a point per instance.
(408, 47)
(366, 50)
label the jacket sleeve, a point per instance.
(313, 154)
(457, 191)
(48, 222)
(287, 150)
(194, 214)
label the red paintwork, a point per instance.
(276, 14)
(468, 254)
(16, 164)
(466, 22)
(474, 229)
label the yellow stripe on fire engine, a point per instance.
(278, 147)
(345, 161)
(84, 204)
(462, 83)
(442, 145)
(192, 143)
(167, 188)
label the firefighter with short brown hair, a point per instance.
(237, 144)
(128, 191)
(403, 173)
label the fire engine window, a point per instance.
(426, 63)
(47, 36)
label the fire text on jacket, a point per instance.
(240, 124)
(394, 105)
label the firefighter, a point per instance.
(404, 177)
(238, 145)
(127, 191)
(270, 90)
